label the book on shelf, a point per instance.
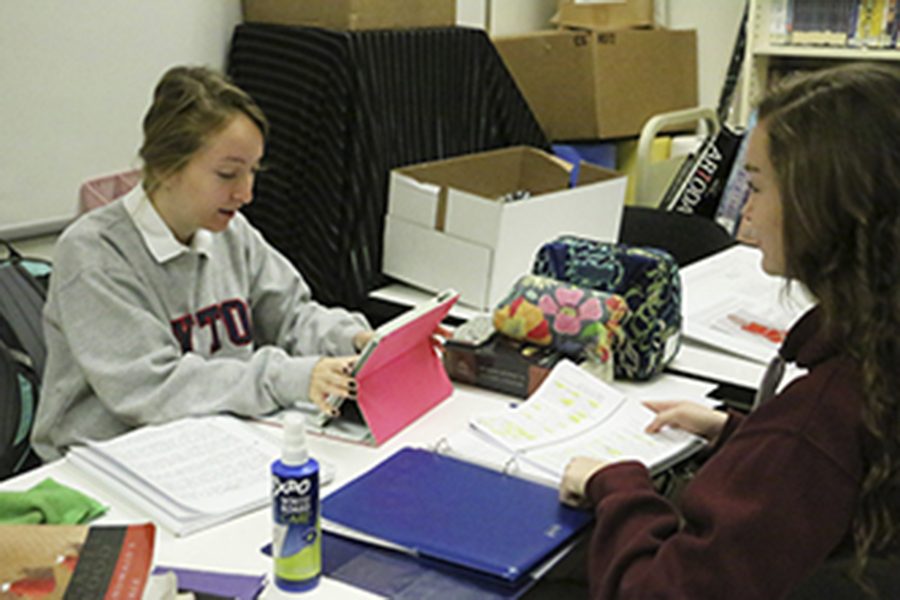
(573, 414)
(780, 22)
(399, 377)
(817, 23)
(873, 24)
(75, 561)
(188, 474)
(839, 23)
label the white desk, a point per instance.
(695, 358)
(735, 271)
(234, 547)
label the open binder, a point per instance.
(571, 414)
(399, 377)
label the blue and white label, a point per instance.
(295, 514)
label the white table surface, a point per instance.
(234, 547)
(695, 358)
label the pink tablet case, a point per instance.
(404, 377)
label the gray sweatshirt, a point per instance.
(142, 329)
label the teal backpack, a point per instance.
(23, 291)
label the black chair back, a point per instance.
(686, 237)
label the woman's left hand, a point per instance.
(578, 472)
(331, 376)
(439, 335)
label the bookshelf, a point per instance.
(766, 56)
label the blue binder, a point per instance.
(450, 510)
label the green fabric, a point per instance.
(49, 502)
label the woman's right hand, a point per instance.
(331, 375)
(686, 415)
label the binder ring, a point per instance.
(442, 446)
(512, 465)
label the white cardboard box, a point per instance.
(446, 228)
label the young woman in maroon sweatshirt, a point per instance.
(811, 473)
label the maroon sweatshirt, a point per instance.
(774, 500)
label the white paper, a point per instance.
(573, 414)
(568, 402)
(188, 474)
(208, 465)
(670, 387)
(621, 438)
(732, 304)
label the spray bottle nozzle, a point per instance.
(294, 451)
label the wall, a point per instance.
(716, 24)
(77, 78)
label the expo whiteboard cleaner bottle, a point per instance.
(296, 543)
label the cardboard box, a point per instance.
(605, 16)
(500, 364)
(353, 15)
(445, 226)
(584, 85)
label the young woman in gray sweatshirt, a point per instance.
(168, 303)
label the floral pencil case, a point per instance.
(576, 321)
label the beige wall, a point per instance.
(77, 78)
(716, 24)
(42, 161)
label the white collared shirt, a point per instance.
(159, 238)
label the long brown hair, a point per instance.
(834, 142)
(189, 105)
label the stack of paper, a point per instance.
(732, 304)
(188, 474)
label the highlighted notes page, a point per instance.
(568, 402)
(575, 414)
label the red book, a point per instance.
(76, 561)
